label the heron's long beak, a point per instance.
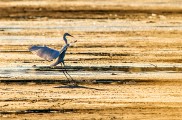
(74, 41)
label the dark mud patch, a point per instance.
(41, 111)
(37, 81)
(106, 54)
(137, 107)
(123, 81)
(77, 87)
(79, 83)
(152, 68)
(79, 12)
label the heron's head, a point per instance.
(65, 35)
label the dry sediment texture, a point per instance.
(127, 60)
(90, 102)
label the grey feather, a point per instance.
(45, 52)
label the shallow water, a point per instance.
(94, 25)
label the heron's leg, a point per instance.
(64, 72)
(74, 83)
(67, 72)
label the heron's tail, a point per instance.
(54, 64)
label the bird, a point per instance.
(50, 54)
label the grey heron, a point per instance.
(51, 54)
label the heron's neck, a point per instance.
(64, 47)
(64, 38)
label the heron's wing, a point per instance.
(44, 52)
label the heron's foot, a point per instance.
(52, 67)
(73, 83)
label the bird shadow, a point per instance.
(78, 87)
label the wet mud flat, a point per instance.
(127, 61)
